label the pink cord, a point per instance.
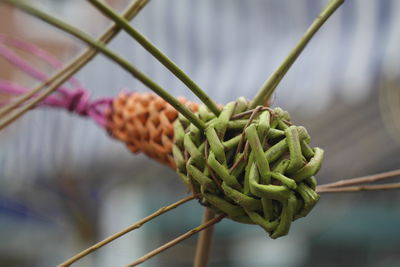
(76, 101)
(36, 51)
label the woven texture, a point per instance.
(254, 166)
(144, 122)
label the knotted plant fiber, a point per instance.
(252, 165)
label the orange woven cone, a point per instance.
(145, 123)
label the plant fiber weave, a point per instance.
(252, 165)
(145, 123)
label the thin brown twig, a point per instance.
(125, 231)
(250, 111)
(177, 240)
(236, 163)
(203, 246)
(65, 73)
(358, 188)
(362, 180)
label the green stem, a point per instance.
(158, 54)
(272, 82)
(113, 56)
(203, 247)
(65, 73)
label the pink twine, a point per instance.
(33, 50)
(76, 101)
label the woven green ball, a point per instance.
(252, 165)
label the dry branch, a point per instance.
(125, 231)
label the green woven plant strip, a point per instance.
(252, 165)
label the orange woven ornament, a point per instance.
(145, 123)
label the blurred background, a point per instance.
(65, 184)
